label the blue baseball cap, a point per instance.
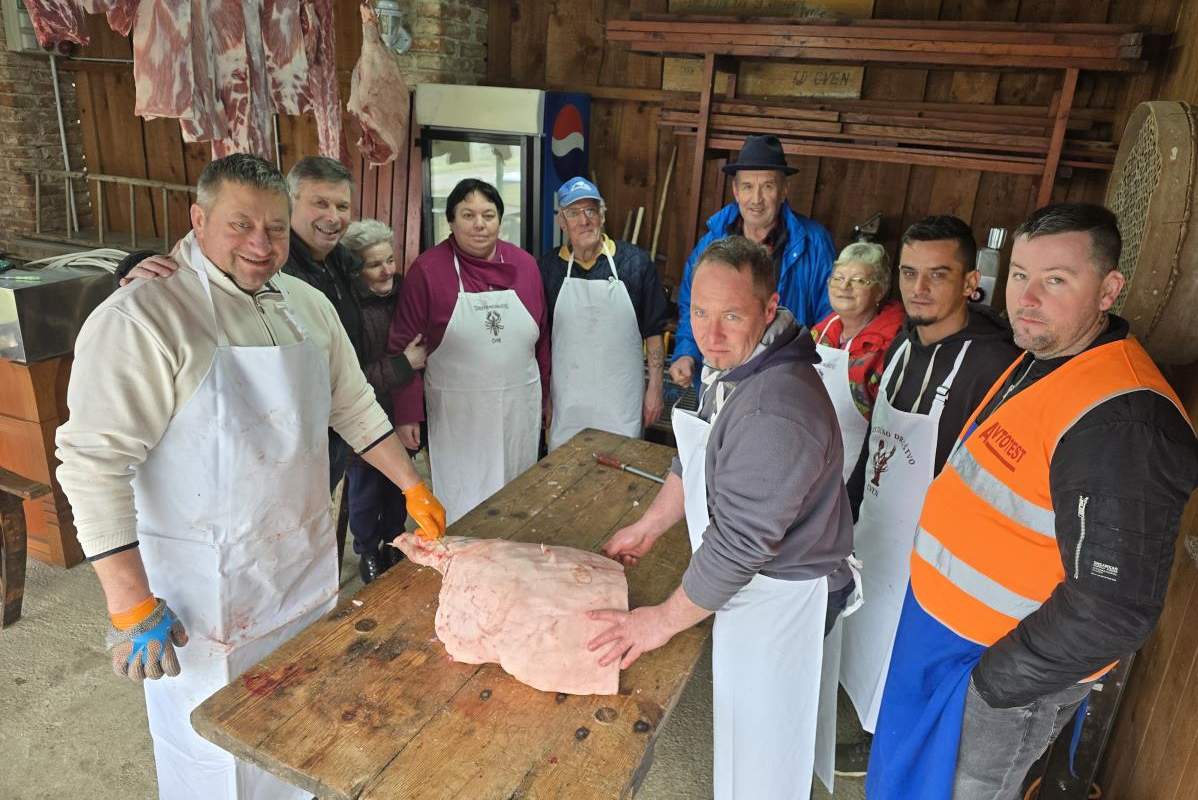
(577, 189)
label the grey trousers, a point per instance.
(999, 745)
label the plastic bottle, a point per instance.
(989, 264)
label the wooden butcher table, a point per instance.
(366, 704)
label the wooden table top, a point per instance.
(365, 703)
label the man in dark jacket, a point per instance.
(757, 480)
(321, 191)
(938, 369)
(1046, 543)
(606, 306)
(800, 248)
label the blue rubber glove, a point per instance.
(147, 649)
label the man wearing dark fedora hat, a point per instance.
(801, 248)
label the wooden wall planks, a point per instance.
(549, 48)
(1153, 751)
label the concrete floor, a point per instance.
(69, 728)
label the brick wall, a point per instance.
(29, 139)
(449, 42)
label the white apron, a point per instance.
(833, 370)
(234, 529)
(598, 376)
(766, 659)
(898, 472)
(482, 390)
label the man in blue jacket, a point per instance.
(801, 248)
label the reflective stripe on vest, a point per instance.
(986, 554)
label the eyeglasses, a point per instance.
(856, 283)
(575, 213)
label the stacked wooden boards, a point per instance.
(991, 45)
(993, 139)
(893, 135)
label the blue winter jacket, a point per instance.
(802, 280)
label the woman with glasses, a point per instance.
(853, 339)
(605, 306)
(479, 304)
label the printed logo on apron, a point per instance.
(902, 448)
(494, 325)
(482, 391)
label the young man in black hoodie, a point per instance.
(938, 370)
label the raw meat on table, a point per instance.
(378, 96)
(524, 607)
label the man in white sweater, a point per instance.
(195, 460)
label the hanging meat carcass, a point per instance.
(56, 23)
(378, 96)
(286, 57)
(316, 20)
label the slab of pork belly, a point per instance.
(523, 606)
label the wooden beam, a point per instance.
(692, 213)
(413, 214)
(1030, 166)
(889, 57)
(1061, 116)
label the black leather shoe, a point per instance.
(370, 566)
(390, 556)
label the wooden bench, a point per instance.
(14, 491)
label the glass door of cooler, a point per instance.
(504, 161)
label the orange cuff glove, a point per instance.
(426, 511)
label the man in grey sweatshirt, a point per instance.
(758, 479)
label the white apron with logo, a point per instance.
(898, 472)
(766, 659)
(482, 390)
(833, 369)
(234, 529)
(598, 376)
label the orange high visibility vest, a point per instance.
(986, 553)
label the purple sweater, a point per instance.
(430, 292)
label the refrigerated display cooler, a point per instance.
(526, 142)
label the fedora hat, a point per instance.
(761, 152)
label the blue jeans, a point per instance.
(377, 508)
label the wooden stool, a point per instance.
(14, 491)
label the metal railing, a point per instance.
(132, 184)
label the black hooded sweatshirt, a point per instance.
(991, 351)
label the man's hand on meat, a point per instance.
(640, 630)
(630, 544)
(426, 511)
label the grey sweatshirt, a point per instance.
(775, 497)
